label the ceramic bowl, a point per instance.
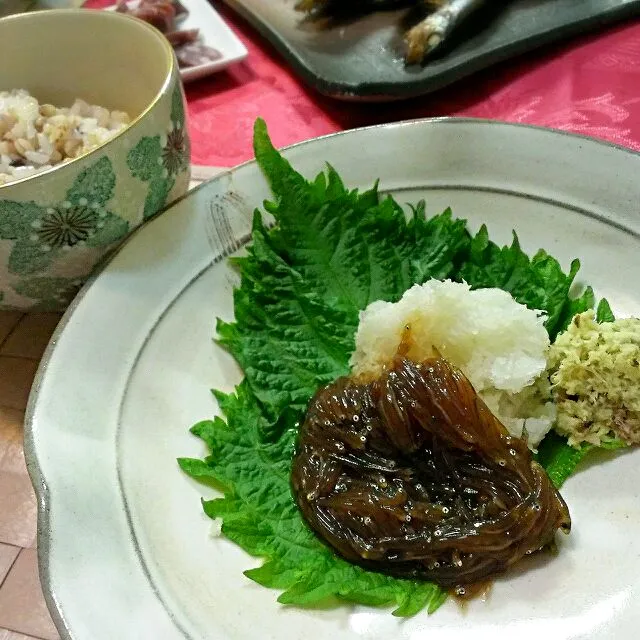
(56, 227)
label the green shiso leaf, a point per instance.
(303, 285)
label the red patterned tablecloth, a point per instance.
(589, 85)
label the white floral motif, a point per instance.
(599, 115)
(67, 226)
(621, 56)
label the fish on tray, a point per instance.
(423, 38)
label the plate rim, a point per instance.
(36, 475)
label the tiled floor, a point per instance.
(23, 613)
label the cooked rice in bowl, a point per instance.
(35, 137)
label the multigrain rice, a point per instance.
(35, 137)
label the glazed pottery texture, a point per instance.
(57, 227)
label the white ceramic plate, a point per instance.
(125, 549)
(214, 32)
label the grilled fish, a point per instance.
(426, 36)
(429, 34)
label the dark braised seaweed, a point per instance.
(412, 475)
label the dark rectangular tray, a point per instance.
(362, 59)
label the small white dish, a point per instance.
(214, 32)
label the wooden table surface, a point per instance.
(23, 613)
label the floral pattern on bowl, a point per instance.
(159, 160)
(56, 228)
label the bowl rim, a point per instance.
(170, 60)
